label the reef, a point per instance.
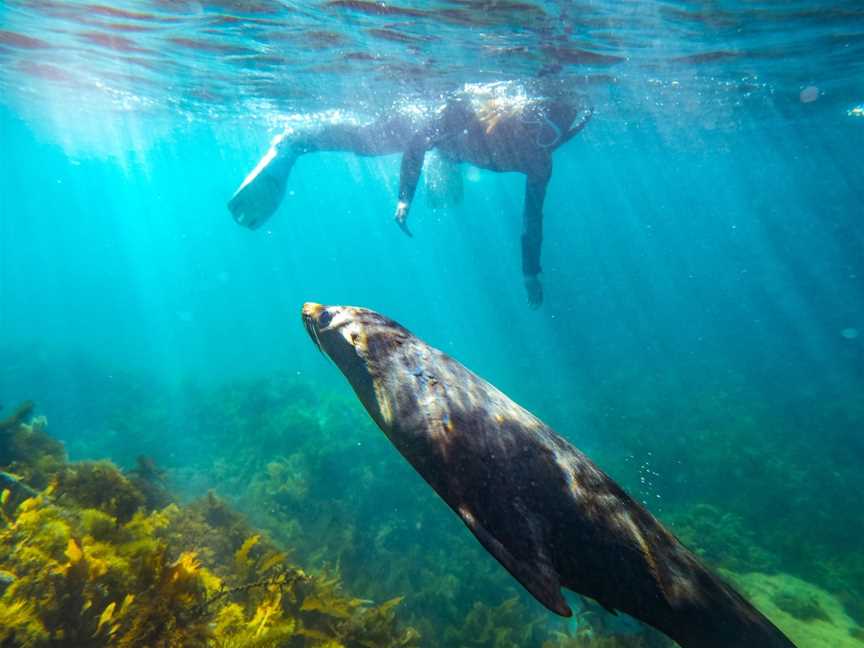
(743, 482)
(87, 563)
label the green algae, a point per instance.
(805, 607)
(810, 616)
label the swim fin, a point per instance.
(263, 189)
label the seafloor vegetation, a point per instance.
(333, 510)
(101, 557)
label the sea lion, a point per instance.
(549, 515)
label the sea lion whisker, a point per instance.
(313, 334)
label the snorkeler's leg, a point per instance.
(536, 181)
(384, 136)
(264, 188)
(262, 191)
(443, 181)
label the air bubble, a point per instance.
(809, 94)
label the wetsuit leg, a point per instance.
(536, 181)
(384, 136)
(262, 191)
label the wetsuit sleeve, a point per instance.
(412, 164)
(536, 182)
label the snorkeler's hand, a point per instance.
(535, 291)
(401, 216)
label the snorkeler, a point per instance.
(497, 126)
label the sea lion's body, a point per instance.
(535, 502)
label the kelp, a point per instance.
(98, 485)
(507, 625)
(87, 564)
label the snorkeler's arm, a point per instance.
(409, 174)
(536, 181)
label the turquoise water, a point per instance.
(702, 334)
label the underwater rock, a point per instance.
(15, 418)
(854, 606)
(810, 616)
(802, 606)
(26, 450)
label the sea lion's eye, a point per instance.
(324, 319)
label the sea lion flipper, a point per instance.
(536, 576)
(609, 609)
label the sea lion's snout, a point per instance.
(311, 310)
(344, 332)
(352, 337)
(335, 330)
(310, 315)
